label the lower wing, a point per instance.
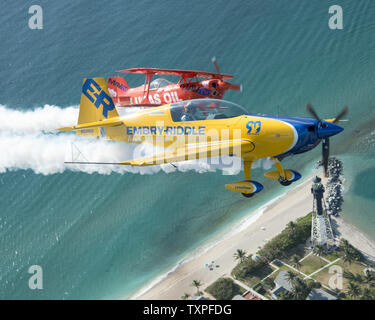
(189, 152)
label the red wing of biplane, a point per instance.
(177, 72)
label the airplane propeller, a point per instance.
(322, 124)
(227, 85)
(215, 64)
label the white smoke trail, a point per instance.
(28, 140)
(45, 119)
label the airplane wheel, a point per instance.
(285, 183)
(248, 195)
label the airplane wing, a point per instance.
(178, 72)
(194, 151)
(188, 152)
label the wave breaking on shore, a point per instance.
(234, 229)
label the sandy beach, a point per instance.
(297, 202)
(357, 238)
(269, 221)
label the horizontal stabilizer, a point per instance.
(97, 124)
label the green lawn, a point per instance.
(333, 255)
(258, 275)
(311, 264)
(354, 267)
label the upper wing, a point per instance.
(195, 151)
(178, 72)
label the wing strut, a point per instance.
(148, 79)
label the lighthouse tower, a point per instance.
(321, 230)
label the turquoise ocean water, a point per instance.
(105, 236)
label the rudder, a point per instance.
(96, 104)
(117, 87)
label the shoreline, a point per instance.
(195, 262)
(232, 230)
(357, 238)
(252, 231)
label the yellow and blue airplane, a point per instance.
(203, 128)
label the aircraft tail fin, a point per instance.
(117, 87)
(96, 105)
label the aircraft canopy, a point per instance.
(205, 109)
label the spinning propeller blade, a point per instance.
(230, 86)
(215, 64)
(325, 144)
(312, 111)
(342, 114)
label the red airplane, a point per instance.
(161, 91)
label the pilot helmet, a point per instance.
(190, 107)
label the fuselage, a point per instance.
(173, 92)
(220, 120)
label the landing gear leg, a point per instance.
(283, 179)
(247, 169)
(247, 172)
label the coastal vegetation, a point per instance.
(294, 234)
(224, 289)
(300, 288)
(250, 270)
(240, 255)
(305, 269)
(185, 296)
(197, 284)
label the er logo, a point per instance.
(97, 96)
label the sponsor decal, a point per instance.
(167, 130)
(118, 84)
(97, 96)
(253, 127)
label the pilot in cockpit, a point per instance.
(189, 112)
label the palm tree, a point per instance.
(319, 250)
(284, 295)
(290, 276)
(366, 294)
(240, 255)
(291, 225)
(344, 244)
(348, 257)
(369, 276)
(358, 278)
(353, 290)
(185, 296)
(299, 289)
(295, 261)
(349, 275)
(197, 284)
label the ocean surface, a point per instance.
(103, 233)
